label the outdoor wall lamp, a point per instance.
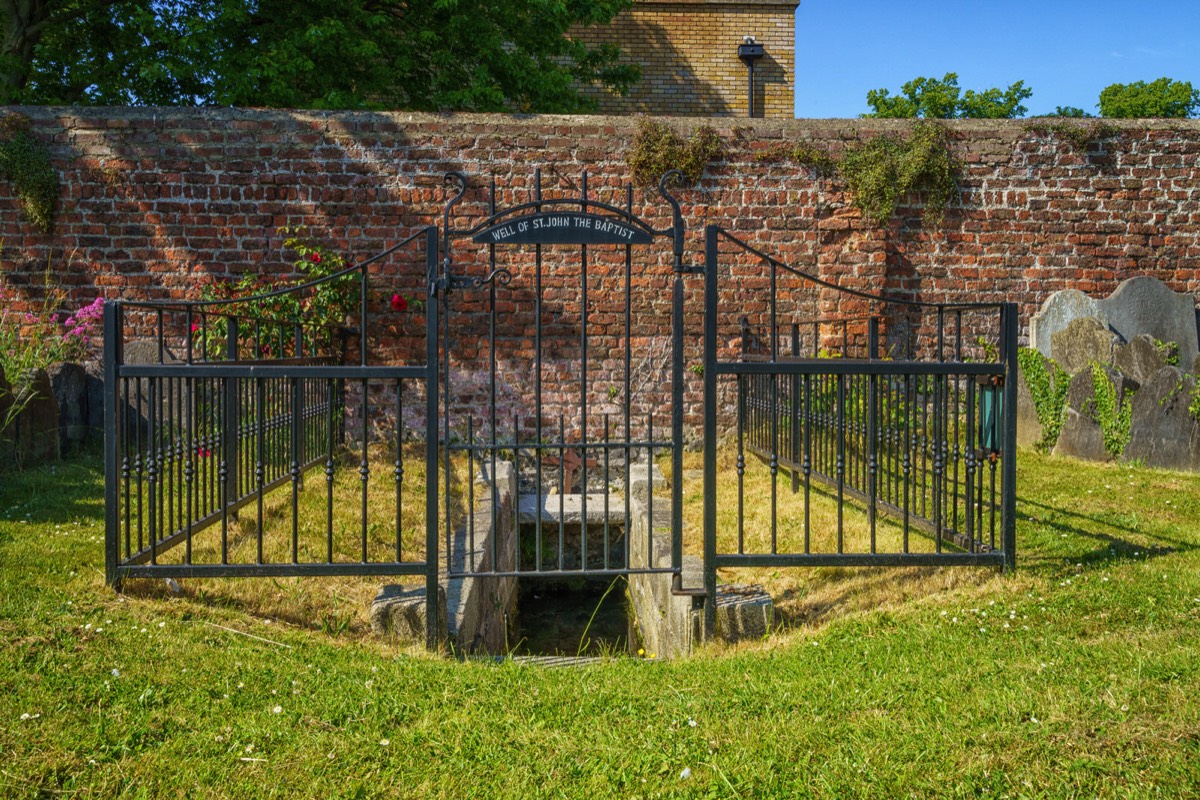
(750, 51)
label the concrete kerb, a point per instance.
(475, 611)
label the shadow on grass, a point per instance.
(56, 493)
(1112, 547)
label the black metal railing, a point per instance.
(891, 431)
(217, 418)
(582, 417)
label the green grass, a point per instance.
(1077, 677)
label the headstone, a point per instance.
(1056, 314)
(1029, 427)
(1139, 359)
(37, 422)
(69, 382)
(1081, 436)
(95, 400)
(1147, 305)
(1163, 432)
(1142, 304)
(1085, 341)
(8, 433)
(143, 352)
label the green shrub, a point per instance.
(1114, 415)
(1048, 384)
(657, 149)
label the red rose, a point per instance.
(316, 258)
(399, 303)
(195, 327)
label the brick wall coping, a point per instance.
(377, 121)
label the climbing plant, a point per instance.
(1114, 415)
(657, 149)
(1077, 135)
(25, 163)
(1048, 384)
(881, 170)
(885, 168)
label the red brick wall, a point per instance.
(156, 201)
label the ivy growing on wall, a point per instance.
(1048, 384)
(1114, 415)
(881, 170)
(657, 149)
(1077, 135)
(25, 163)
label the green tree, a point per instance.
(1161, 98)
(489, 55)
(931, 98)
(1069, 111)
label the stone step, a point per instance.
(569, 509)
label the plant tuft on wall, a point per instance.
(884, 168)
(25, 162)
(881, 170)
(657, 149)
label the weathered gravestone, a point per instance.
(95, 400)
(1085, 341)
(69, 382)
(143, 352)
(1140, 305)
(37, 423)
(1163, 432)
(1081, 436)
(1139, 359)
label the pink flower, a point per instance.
(399, 303)
(195, 327)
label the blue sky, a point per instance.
(1065, 51)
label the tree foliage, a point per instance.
(930, 98)
(487, 55)
(1161, 98)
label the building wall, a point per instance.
(688, 55)
(156, 202)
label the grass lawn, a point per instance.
(1077, 677)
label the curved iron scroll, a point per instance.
(501, 277)
(677, 214)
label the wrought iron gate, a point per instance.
(867, 430)
(891, 421)
(216, 417)
(567, 388)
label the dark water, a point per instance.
(552, 617)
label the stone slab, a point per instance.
(37, 422)
(1139, 359)
(69, 382)
(400, 613)
(1056, 313)
(1163, 433)
(1081, 436)
(1029, 427)
(744, 612)
(1139, 305)
(568, 509)
(1085, 341)
(1147, 305)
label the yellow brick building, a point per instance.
(688, 53)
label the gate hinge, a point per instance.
(682, 270)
